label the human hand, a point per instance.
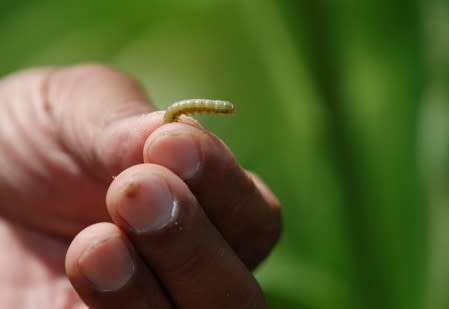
(183, 223)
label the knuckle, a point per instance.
(90, 68)
(99, 73)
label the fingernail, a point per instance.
(149, 205)
(108, 264)
(178, 152)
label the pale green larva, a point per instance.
(197, 106)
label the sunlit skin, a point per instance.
(182, 224)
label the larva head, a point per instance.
(226, 107)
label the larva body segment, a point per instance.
(197, 106)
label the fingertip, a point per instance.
(100, 258)
(141, 198)
(177, 147)
(107, 272)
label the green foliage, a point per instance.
(343, 108)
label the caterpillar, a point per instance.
(197, 106)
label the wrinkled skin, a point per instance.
(182, 224)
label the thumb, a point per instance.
(63, 134)
(102, 117)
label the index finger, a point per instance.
(243, 209)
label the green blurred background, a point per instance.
(343, 108)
